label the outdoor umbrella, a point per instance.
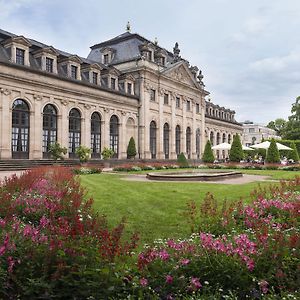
(223, 146)
(266, 145)
(247, 148)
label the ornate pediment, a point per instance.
(181, 73)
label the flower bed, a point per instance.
(52, 244)
(245, 250)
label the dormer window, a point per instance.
(20, 56)
(129, 88)
(95, 78)
(49, 64)
(74, 71)
(113, 83)
(106, 59)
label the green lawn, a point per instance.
(155, 209)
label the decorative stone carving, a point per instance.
(5, 91)
(64, 102)
(87, 106)
(123, 113)
(106, 109)
(161, 91)
(37, 97)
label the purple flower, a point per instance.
(143, 282)
(196, 283)
(169, 279)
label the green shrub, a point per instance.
(131, 149)
(107, 153)
(236, 152)
(83, 153)
(293, 154)
(57, 151)
(273, 153)
(182, 161)
(208, 155)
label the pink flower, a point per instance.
(164, 255)
(169, 279)
(196, 283)
(263, 285)
(143, 282)
(185, 261)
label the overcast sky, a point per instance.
(249, 51)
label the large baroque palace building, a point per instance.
(127, 87)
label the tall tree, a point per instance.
(236, 153)
(278, 125)
(273, 153)
(292, 129)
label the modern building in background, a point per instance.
(255, 133)
(127, 87)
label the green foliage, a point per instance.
(292, 128)
(208, 155)
(278, 125)
(131, 149)
(236, 153)
(83, 153)
(273, 153)
(107, 153)
(57, 151)
(294, 154)
(182, 161)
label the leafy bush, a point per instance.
(131, 149)
(57, 151)
(293, 154)
(273, 153)
(236, 153)
(208, 156)
(83, 153)
(182, 161)
(107, 153)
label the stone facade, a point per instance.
(127, 87)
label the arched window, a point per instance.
(74, 131)
(177, 140)
(114, 135)
(49, 128)
(224, 138)
(218, 138)
(153, 139)
(20, 129)
(229, 138)
(212, 138)
(198, 143)
(166, 140)
(188, 142)
(96, 135)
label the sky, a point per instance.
(248, 51)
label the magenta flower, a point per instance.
(263, 285)
(185, 261)
(169, 279)
(196, 285)
(143, 282)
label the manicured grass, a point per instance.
(155, 209)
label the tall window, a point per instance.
(212, 138)
(113, 83)
(153, 139)
(197, 108)
(95, 78)
(188, 105)
(166, 99)
(229, 138)
(166, 140)
(224, 138)
(177, 102)
(177, 139)
(129, 88)
(20, 129)
(49, 65)
(152, 95)
(188, 142)
(74, 131)
(20, 56)
(74, 72)
(198, 143)
(49, 128)
(96, 135)
(114, 135)
(106, 59)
